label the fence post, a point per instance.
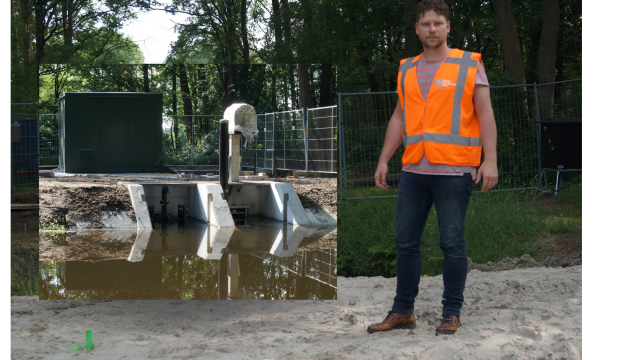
(535, 92)
(273, 156)
(305, 125)
(332, 127)
(284, 146)
(38, 135)
(341, 138)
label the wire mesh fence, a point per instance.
(49, 141)
(317, 265)
(190, 140)
(322, 141)
(297, 141)
(288, 140)
(24, 154)
(364, 117)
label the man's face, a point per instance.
(432, 29)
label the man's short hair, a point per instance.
(438, 6)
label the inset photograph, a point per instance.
(186, 181)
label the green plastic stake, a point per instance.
(89, 341)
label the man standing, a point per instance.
(444, 119)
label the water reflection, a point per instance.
(264, 260)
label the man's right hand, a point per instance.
(381, 176)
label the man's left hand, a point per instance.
(489, 173)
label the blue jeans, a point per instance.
(416, 194)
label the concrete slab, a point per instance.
(214, 211)
(220, 214)
(214, 242)
(288, 240)
(273, 204)
(321, 217)
(142, 240)
(109, 219)
(139, 203)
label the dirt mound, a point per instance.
(316, 193)
(69, 247)
(88, 203)
(82, 202)
(526, 261)
(325, 243)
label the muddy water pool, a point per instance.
(264, 260)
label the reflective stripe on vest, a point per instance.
(404, 68)
(465, 61)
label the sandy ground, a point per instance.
(532, 313)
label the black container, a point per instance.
(111, 132)
(561, 143)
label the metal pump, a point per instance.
(164, 217)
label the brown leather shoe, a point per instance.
(394, 321)
(450, 323)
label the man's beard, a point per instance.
(429, 47)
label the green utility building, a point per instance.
(111, 132)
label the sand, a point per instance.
(532, 313)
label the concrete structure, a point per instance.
(217, 204)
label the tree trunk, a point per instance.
(326, 74)
(286, 16)
(373, 86)
(304, 86)
(174, 106)
(204, 107)
(26, 12)
(511, 47)
(547, 54)
(40, 28)
(243, 31)
(277, 27)
(412, 43)
(187, 105)
(229, 90)
(67, 21)
(260, 86)
(145, 71)
(274, 90)
(230, 33)
(292, 87)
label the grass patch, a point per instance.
(354, 192)
(54, 226)
(498, 225)
(24, 271)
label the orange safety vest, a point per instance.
(445, 126)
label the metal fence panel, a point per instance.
(364, 118)
(190, 140)
(260, 153)
(49, 141)
(322, 139)
(295, 142)
(24, 154)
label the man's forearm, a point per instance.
(488, 135)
